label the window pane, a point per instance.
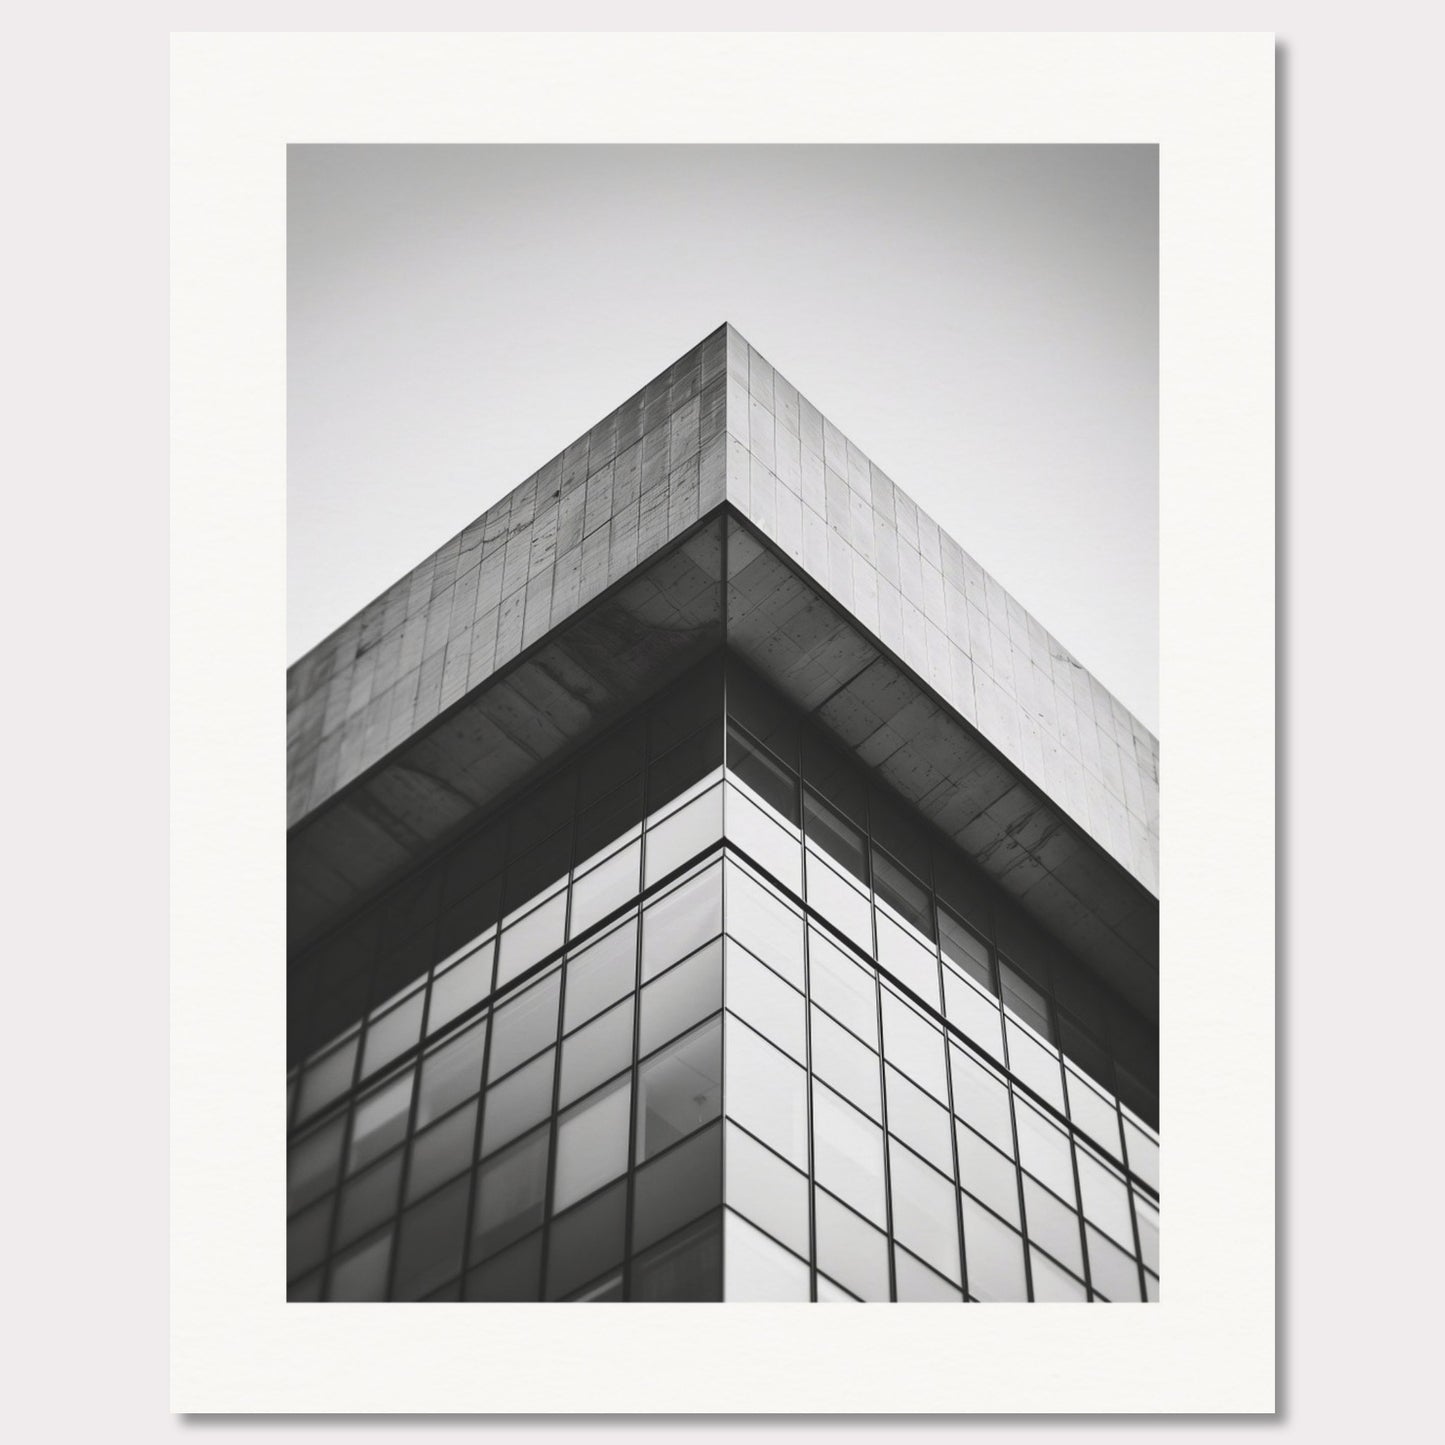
(450, 1074)
(587, 1241)
(1113, 1273)
(995, 1256)
(918, 1284)
(379, 1121)
(767, 1094)
(679, 1090)
(908, 960)
(1148, 1217)
(684, 834)
(832, 1294)
(524, 1025)
(681, 997)
(522, 1099)
(1054, 1226)
(361, 1274)
(980, 1098)
(914, 1045)
(835, 835)
(513, 1275)
(1143, 1153)
(766, 926)
(1035, 1065)
(429, 1248)
(592, 1143)
(676, 1188)
(313, 1164)
(840, 903)
(920, 1121)
(760, 1269)
(392, 1034)
(1104, 1198)
(461, 986)
(965, 949)
(511, 1190)
(531, 938)
(1043, 1150)
(925, 1214)
(601, 973)
(764, 840)
(597, 1052)
(902, 892)
(988, 1175)
(606, 1291)
(444, 1150)
(770, 1192)
(1053, 1285)
(1093, 1113)
(758, 995)
(975, 1013)
(687, 1268)
(764, 774)
(369, 1199)
(840, 1060)
(848, 1154)
(306, 1238)
(838, 984)
(850, 1249)
(609, 885)
(1026, 999)
(681, 921)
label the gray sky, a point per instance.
(981, 320)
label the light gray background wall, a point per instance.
(981, 320)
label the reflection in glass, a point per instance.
(908, 960)
(757, 994)
(767, 1093)
(600, 974)
(679, 1089)
(369, 1199)
(361, 1273)
(531, 938)
(771, 1193)
(925, 1216)
(917, 1284)
(766, 926)
(379, 1121)
(988, 1175)
(677, 1187)
(840, 903)
(592, 1143)
(522, 1099)
(980, 1099)
(684, 1269)
(327, 1079)
(524, 1024)
(842, 1061)
(835, 835)
(429, 1248)
(608, 886)
(1093, 1113)
(313, 1164)
(764, 840)
(914, 1044)
(995, 1256)
(1053, 1285)
(392, 1034)
(964, 948)
(763, 773)
(511, 1190)
(684, 834)
(1026, 1000)
(759, 1268)
(587, 1241)
(596, 1052)
(848, 1154)
(1037, 1066)
(850, 1249)
(902, 892)
(848, 991)
(1053, 1225)
(1112, 1272)
(1043, 1150)
(1105, 1199)
(513, 1275)
(681, 997)
(450, 1074)
(920, 1121)
(443, 1150)
(462, 985)
(974, 1012)
(681, 921)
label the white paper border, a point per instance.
(1207, 100)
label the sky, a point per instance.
(981, 320)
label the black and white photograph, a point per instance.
(722, 774)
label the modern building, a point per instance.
(706, 883)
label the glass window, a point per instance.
(1148, 1217)
(965, 949)
(684, 834)
(770, 1192)
(679, 1089)
(1093, 1113)
(677, 1187)
(914, 1044)
(450, 1074)
(840, 902)
(1053, 1225)
(442, 1151)
(305, 1291)
(312, 1165)
(609, 761)
(1026, 1000)
(1143, 1153)
(1112, 1272)
(766, 926)
(592, 1143)
(429, 1247)
(1043, 1150)
(920, 1121)
(838, 984)
(379, 1121)
(511, 1192)
(542, 870)
(995, 1256)
(832, 1294)
(908, 960)
(684, 1269)
(608, 886)
(1104, 1198)
(1036, 1065)
(392, 1034)
(513, 1275)
(531, 938)
(1053, 1285)
(306, 1237)
(902, 892)
(842, 1061)
(461, 986)
(600, 974)
(835, 835)
(369, 1199)
(524, 1025)
(767, 1093)
(681, 997)
(360, 1274)
(980, 1099)
(775, 784)
(850, 1249)
(587, 1241)
(608, 819)
(596, 1053)
(689, 762)
(760, 1269)
(757, 994)
(605, 1291)
(328, 1078)
(925, 1211)
(988, 1175)
(848, 1154)
(974, 1012)
(522, 1099)
(917, 1284)
(763, 713)
(764, 840)
(681, 921)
